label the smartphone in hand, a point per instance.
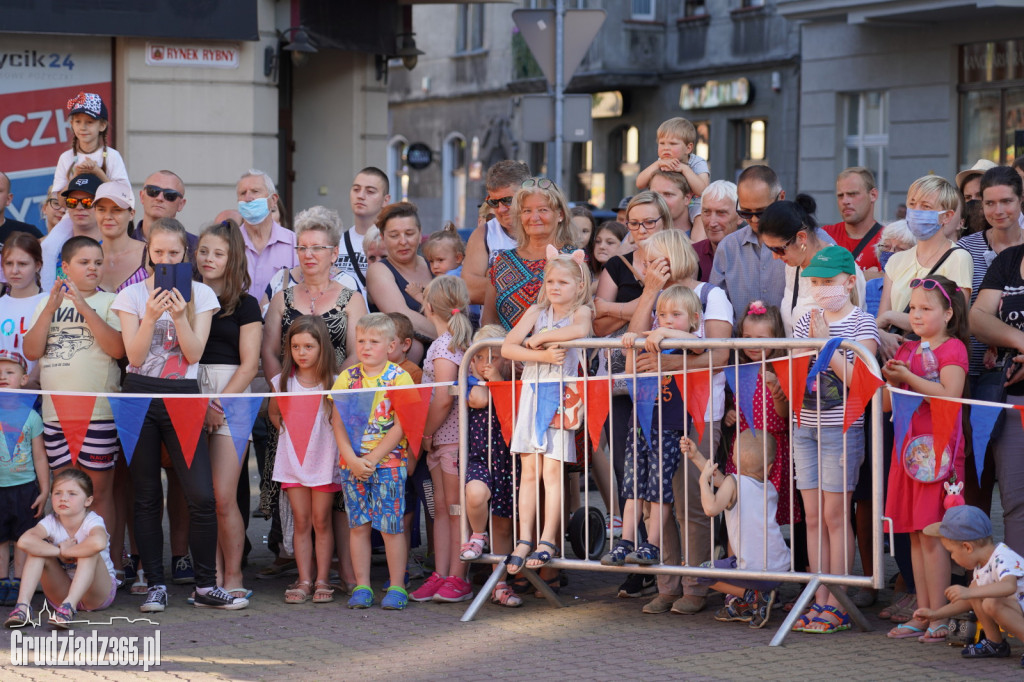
(178, 276)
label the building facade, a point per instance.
(730, 66)
(906, 88)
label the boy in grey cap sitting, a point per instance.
(996, 593)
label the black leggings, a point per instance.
(196, 480)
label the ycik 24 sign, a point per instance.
(38, 75)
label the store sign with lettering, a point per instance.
(713, 94)
(217, 56)
(990, 62)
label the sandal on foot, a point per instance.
(905, 631)
(63, 616)
(324, 593)
(240, 592)
(832, 618)
(140, 586)
(20, 617)
(935, 635)
(554, 583)
(805, 620)
(474, 547)
(504, 596)
(542, 556)
(514, 561)
(298, 592)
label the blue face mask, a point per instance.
(883, 258)
(254, 212)
(923, 224)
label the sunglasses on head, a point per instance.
(493, 203)
(929, 284)
(539, 183)
(86, 202)
(169, 194)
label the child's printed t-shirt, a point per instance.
(73, 360)
(1003, 562)
(20, 468)
(382, 415)
(15, 321)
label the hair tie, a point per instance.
(757, 308)
(455, 311)
(225, 223)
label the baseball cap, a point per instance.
(624, 204)
(118, 192)
(88, 103)
(86, 182)
(829, 262)
(961, 524)
(979, 168)
(12, 356)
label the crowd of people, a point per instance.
(114, 300)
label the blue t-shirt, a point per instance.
(20, 468)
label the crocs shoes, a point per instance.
(362, 597)
(396, 599)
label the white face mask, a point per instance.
(831, 297)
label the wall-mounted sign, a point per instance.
(217, 56)
(713, 94)
(993, 61)
(418, 155)
(606, 104)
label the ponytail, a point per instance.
(448, 297)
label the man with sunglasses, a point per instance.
(502, 182)
(162, 196)
(9, 225)
(79, 221)
(743, 265)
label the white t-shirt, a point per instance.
(718, 308)
(750, 524)
(165, 359)
(51, 246)
(74, 360)
(115, 166)
(57, 533)
(1003, 562)
(16, 320)
(345, 264)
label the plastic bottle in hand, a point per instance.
(930, 362)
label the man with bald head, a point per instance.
(162, 196)
(743, 265)
(9, 225)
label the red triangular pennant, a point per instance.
(945, 420)
(187, 415)
(794, 369)
(1020, 411)
(411, 403)
(696, 388)
(502, 401)
(597, 408)
(74, 412)
(862, 388)
(299, 413)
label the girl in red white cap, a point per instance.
(89, 152)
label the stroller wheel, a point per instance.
(584, 521)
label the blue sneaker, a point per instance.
(617, 556)
(362, 598)
(396, 599)
(182, 571)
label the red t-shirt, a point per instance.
(866, 258)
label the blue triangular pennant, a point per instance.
(644, 394)
(903, 408)
(15, 408)
(547, 405)
(822, 361)
(354, 408)
(744, 391)
(240, 414)
(983, 418)
(129, 413)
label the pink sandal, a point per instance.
(474, 547)
(504, 596)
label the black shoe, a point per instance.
(156, 599)
(638, 585)
(217, 598)
(986, 648)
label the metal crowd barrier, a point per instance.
(836, 582)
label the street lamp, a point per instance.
(301, 46)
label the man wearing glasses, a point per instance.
(268, 246)
(743, 265)
(162, 196)
(503, 179)
(9, 225)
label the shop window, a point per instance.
(398, 172)
(702, 148)
(750, 143)
(866, 141)
(642, 10)
(991, 125)
(695, 8)
(469, 29)
(453, 179)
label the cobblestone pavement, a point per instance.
(596, 637)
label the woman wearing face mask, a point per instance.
(895, 237)
(790, 232)
(932, 202)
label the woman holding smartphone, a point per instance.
(164, 337)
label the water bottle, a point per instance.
(930, 362)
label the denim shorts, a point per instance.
(805, 457)
(378, 501)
